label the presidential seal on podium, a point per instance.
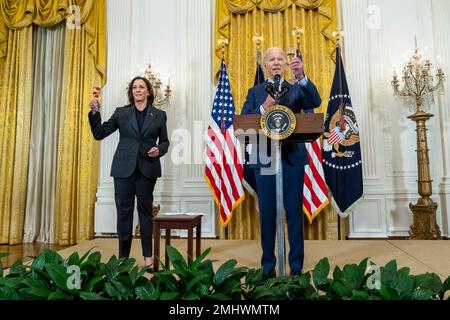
(278, 122)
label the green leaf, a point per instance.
(87, 255)
(337, 273)
(362, 267)
(40, 273)
(111, 268)
(223, 272)
(203, 290)
(91, 296)
(305, 280)
(111, 291)
(320, 274)
(91, 284)
(15, 283)
(17, 269)
(176, 258)
(146, 292)
(127, 265)
(392, 266)
(74, 259)
(169, 296)
(196, 280)
(421, 294)
(51, 256)
(403, 285)
(342, 291)
(39, 262)
(119, 286)
(59, 296)
(353, 277)
(93, 259)
(388, 293)
(219, 296)
(200, 258)
(432, 282)
(37, 288)
(137, 274)
(60, 276)
(388, 277)
(404, 271)
(7, 293)
(206, 267)
(166, 280)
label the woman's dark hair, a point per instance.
(151, 94)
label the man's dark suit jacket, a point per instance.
(134, 145)
(298, 98)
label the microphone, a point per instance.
(285, 87)
(270, 90)
(276, 84)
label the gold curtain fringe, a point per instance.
(52, 12)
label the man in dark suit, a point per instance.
(302, 95)
(136, 163)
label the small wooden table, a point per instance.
(181, 221)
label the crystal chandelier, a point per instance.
(418, 94)
(419, 89)
(161, 95)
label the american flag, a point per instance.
(223, 170)
(336, 136)
(315, 195)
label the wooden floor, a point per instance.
(25, 251)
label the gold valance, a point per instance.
(226, 8)
(16, 15)
(244, 6)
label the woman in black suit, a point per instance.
(136, 165)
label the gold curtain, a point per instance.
(84, 66)
(15, 114)
(238, 21)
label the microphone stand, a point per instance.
(277, 95)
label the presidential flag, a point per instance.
(249, 175)
(223, 161)
(341, 146)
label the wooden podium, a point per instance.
(309, 127)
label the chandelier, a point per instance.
(419, 89)
(161, 95)
(418, 93)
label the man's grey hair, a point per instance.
(266, 53)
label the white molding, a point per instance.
(441, 12)
(361, 221)
(356, 61)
